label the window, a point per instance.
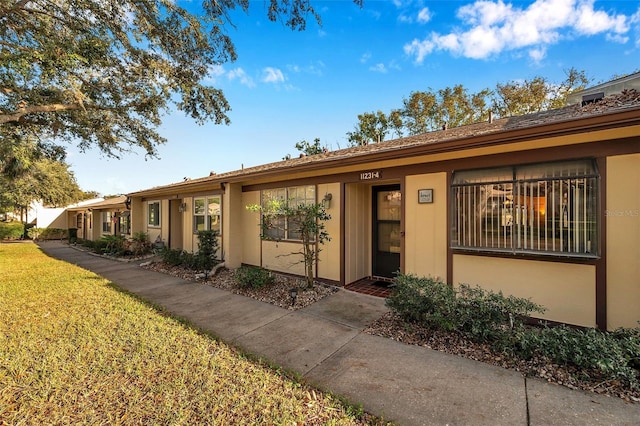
(542, 208)
(206, 213)
(124, 223)
(107, 217)
(281, 227)
(153, 213)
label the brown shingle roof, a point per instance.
(627, 100)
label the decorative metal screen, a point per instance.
(543, 208)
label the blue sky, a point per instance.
(288, 86)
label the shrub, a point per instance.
(11, 230)
(424, 300)
(53, 234)
(479, 314)
(140, 244)
(254, 277)
(615, 355)
(207, 251)
(34, 233)
(114, 244)
(485, 315)
(171, 256)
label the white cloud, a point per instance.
(378, 68)
(272, 75)
(490, 27)
(419, 48)
(616, 38)
(316, 68)
(240, 75)
(538, 54)
(424, 15)
(365, 57)
(589, 21)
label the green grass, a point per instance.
(74, 350)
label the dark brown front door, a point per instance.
(387, 203)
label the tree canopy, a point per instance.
(425, 111)
(46, 180)
(103, 72)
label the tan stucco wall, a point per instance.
(566, 290)
(425, 250)
(138, 221)
(622, 219)
(232, 225)
(329, 258)
(250, 224)
(357, 232)
(277, 256)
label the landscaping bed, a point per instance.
(277, 293)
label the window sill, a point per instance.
(547, 257)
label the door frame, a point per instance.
(375, 189)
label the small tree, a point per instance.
(207, 250)
(305, 221)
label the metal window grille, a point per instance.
(543, 208)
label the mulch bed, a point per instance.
(275, 294)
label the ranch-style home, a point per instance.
(544, 206)
(107, 217)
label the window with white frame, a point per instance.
(281, 227)
(107, 218)
(153, 213)
(549, 208)
(207, 213)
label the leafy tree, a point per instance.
(307, 148)
(372, 127)
(46, 180)
(305, 220)
(425, 111)
(419, 112)
(396, 123)
(102, 72)
(538, 94)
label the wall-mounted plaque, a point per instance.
(425, 196)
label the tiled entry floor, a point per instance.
(371, 287)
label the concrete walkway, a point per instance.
(324, 342)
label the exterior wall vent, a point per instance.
(589, 99)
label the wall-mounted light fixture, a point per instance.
(182, 207)
(326, 201)
(127, 203)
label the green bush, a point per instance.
(113, 244)
(203, 260)
(52, 234)
(253, 277)
(140, 244)
(479, 314)
(423, 300)
(485, 315)
(171, 256)
(206, 258)
(11, 230)
(615, 355)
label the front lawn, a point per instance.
(74, 350)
